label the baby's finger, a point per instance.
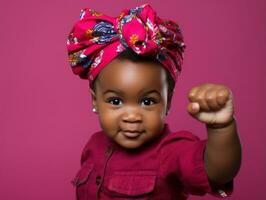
(192, 94)
(200, 98)
(193, 108)
(222, 96)
(211, 99)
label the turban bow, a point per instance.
(96, 39)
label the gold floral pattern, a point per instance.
(95, 13)
(133, 39)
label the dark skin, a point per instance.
(131, 111)
(212, 104)
(131, 101)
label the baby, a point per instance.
(132, 63)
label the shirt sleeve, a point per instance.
(191, 169)
(183, 155)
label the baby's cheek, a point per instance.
(160, 113)
(106, 120)
(154, 121)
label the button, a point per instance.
(222, 193)
(98, 180)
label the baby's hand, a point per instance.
(211, 104)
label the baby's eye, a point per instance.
(115, 101)
(147, 102)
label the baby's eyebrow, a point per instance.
(121, 93)
(114, 91)
(152, 91)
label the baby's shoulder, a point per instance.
(97, 141)
(181, 136)
(182, 139)
(98, 136)
(178, 143)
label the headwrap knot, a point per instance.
(96, 39)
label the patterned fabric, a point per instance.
(96, 39)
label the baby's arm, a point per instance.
(212, 104)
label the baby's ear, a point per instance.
(93, 96)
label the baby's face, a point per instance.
(131, 100)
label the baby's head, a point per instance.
(131, 96)
(132, 63)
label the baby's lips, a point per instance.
(131, 133)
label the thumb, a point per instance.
(193, 108)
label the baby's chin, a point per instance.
(135, 144)
(130, 143)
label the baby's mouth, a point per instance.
(131, 133)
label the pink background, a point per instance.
(45, 111)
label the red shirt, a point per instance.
(171, 167)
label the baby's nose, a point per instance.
(132, 116)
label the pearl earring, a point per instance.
(94, 110)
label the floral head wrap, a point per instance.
(96, 39)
